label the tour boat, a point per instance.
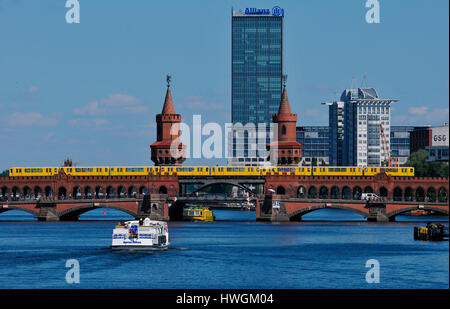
(198, 213)
(141, 235)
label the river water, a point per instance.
(329, 249)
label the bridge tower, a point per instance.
(286, 150)
(168, 149)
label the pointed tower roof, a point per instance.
(168, 104)
(285, 107)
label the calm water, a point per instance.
(235, 252)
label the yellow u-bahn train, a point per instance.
(211, 171)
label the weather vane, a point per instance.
(168, 78)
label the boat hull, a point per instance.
(139, 248)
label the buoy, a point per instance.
(104, 211)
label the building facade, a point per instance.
(366, 127)
(315, 141)
(432, 139)
(257, 70)
(400, 143)
(336, 132)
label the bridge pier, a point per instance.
(47, 212)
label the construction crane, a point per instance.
(389, 161)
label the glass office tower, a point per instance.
(257, 70)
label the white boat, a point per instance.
(141, 235)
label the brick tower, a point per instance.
(168, 149)
(286, 150)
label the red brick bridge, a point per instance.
(64, 197)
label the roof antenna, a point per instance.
(353, 82)
(364, 81)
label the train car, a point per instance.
(33, 171)
(86, 170)
(235, 171)
(303, 171)
(192, 170)
(337, 171)
(133, 170)
(393, 171)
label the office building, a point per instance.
(315, 141)
(366, 140)
(432, 139)
(257, 70)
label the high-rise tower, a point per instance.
(257, 69)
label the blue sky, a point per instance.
(90, 91)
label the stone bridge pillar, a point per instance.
(154, 206)
(377, 212)
(272, 209)
(47, 212)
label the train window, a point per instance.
(411, 170)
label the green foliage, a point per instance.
(426, 169)
(314, 162)
(4, 173)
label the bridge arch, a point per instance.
(312, 192)
(398, 194)
(48, 191)
(143, 190)
(26, 192)
(346, 193)
(391, 215)
(4, 192)
(62, 192)
(335, 193)
(296, 215)
(443, 194)
(357, 192)
(420, 194)
(15, 192)
(88, 192)
(383, 192)
(74, 212)
(121, 191)
(14, 207)
(301, 192)
(76, 192)
(323, 192)
(162, 190)
(408, 194)
(281, 190)
(368, 189)
(110, 192)
(37, 191)
(99, 192)
(431, 194)
(132, 191)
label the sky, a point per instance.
(90, 91)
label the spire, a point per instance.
(168, 103)
(285, 107)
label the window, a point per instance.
(283, 130)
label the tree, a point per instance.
(314, 162)
(422, 168)
(5, 173)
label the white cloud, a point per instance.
(88, 122)
(113, 104)
(30, 119)
(422, 110)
